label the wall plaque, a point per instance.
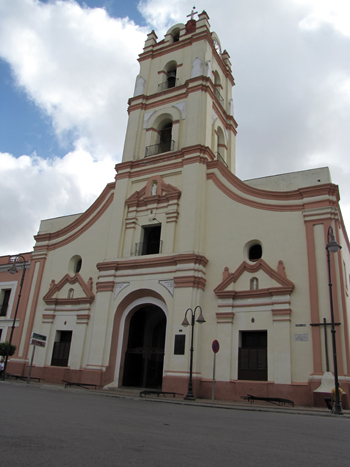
(301, 337)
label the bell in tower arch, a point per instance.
(171, 78)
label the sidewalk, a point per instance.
(131, 393)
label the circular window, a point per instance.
(253, 250)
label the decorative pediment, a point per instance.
(254, 281)
(155, 191)
(62, 293)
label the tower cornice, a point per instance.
(161, 49)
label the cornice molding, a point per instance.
(144, 262)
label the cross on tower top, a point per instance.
(192, 13)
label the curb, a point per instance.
(124, 394)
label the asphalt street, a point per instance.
(43, 426)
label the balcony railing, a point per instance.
(218, 95)
(148, 248)
(221, 159)
(159, 148)
(168, 84)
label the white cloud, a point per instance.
(39, 188)
(335, 13)
(77, 64)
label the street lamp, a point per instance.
(14, 270)
(185, 323)
(333, 247)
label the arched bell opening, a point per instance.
(165, 135)
(144, 355)
(171, 72)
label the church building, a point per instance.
(177, 231)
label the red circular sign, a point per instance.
(215, 346)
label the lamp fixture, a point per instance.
(185, 323)
(333, 247)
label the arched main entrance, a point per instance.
(144, 355)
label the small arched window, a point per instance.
(165, 138)
(217, 85)
(75, 264)
(78, 265)
(255, 252)
(171, 78)
(176, 35)
(221, 149)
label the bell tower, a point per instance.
(182, 97)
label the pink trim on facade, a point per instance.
(83, 319)
(328, 189)
(224, 317)
(194, 282)
(227, 121)
(48, 318)
(187, 41)
(152, 129)
(7, 261)
(47, 237)
(165, 194)
(34, 305)
(256, 304)
(107, 286)
(147, 103)
(136, 168)
(286, 286)
(195, 160)
(109, 189)
(144, 262)
(72, 309)
(258, 205)
(282, 311)
(67, 279)
(171, 216)
(313, 288)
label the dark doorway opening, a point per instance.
(60, 354)
(151, 240)
(252, 357)
(145, 351)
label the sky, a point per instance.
(67, 69)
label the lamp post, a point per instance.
(185, 323)
(14, 270)
(333, 247)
